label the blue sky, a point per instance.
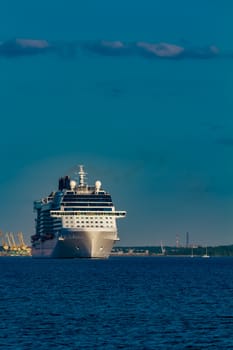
(156, 132)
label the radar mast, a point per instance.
(82, 176)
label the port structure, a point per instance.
(13, 246)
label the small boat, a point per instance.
(206, 254)
(163, 250)
(192, 256)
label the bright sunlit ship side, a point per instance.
(77, 221)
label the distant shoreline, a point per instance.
(153, 251)
(171, 251)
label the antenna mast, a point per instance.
(82, 176)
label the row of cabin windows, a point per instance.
(91, 223)
(91, 226)
(80, 203)
(88, 222)
(89, 198)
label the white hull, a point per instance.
(77, 244)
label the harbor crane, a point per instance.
(22, 245)
(14, 246)
(4, 244)
(9, 243)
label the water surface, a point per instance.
(120, 303)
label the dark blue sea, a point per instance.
(119, 303)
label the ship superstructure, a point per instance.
(77, 221)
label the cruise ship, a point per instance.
(76, 221)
